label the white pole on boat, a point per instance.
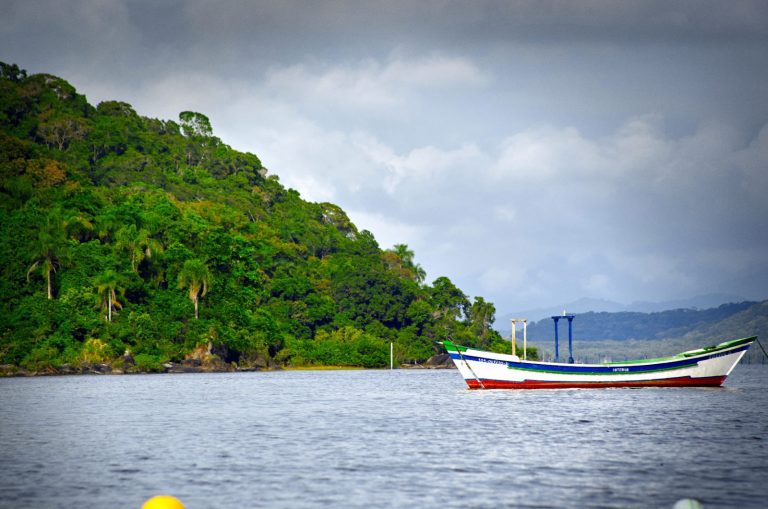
(525, 339)
(391, 355)
(525, 336)
(514, 337)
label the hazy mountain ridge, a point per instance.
(586, 304)
(620, 336)
(602, 336)
(657, 325)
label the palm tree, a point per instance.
(47, 266)
(196, 276)
(419, 273)
(137, 242)
(105, 224)
(108, 284)
(406, 255)
(50, 247)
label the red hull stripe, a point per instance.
(683, 381)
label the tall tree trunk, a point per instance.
(196, 299)
(109, 309)
(50, 287)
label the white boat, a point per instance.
(705, 367)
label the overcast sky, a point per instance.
(534, 152)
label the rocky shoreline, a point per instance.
(9, 370)
(207, 364)
(439, 361)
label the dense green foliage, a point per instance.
(121, 232)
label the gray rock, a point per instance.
(439, 361)
(128, 360)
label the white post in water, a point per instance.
(391, 355)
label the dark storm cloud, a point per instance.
(207, 33)
(481, 21)
(533, 151)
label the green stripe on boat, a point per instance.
(449, 346)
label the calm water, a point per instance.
(377, 439)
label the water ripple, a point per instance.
(377, 439)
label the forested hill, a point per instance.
(133, 242)
(728, 321)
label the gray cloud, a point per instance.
(533, 151)
(203, 33)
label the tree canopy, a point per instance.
(103, 210)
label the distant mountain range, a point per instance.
(629, 334)
(673, 323)
(586, 304)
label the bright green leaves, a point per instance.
(196, 277)
(345, 346)
(400, 260)
(50, 249)
(482, 314)
(104, 205)
(448, 301)
(109, 285)
(137, 244)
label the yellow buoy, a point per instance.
(163, 502)
(688, 503)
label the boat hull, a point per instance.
(707, 367)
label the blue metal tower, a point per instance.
(570, 337)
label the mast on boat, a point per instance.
(524, 321)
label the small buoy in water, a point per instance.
(688, 503)
(163, 502)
